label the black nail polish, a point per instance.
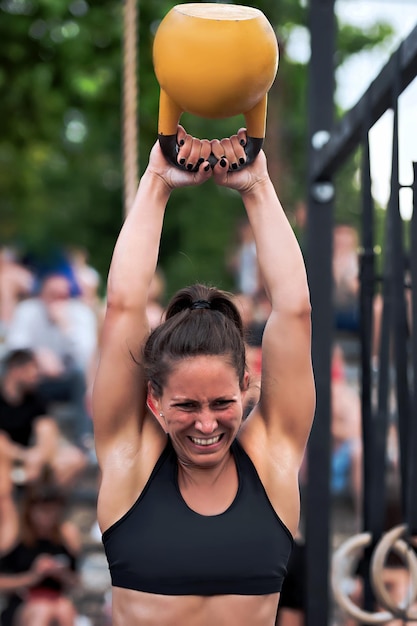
(206, 169)
(234, 166)
(222, 162)
(200, 161)
(190, 167)
(241, 160)
(242, 142)
(182, 161)
(182, 142)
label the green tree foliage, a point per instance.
(60, 142)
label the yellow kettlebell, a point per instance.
(214, 61)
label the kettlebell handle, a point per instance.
(170, 148)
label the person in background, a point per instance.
(16, 283)
(346, 457)
(243, 262)
(62, 332)
(29, 437)
(39, 570)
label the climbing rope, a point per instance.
(130, 99)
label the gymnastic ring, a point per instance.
(391, 541)
(343, 563)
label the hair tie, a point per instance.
(200, 304)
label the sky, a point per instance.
(355, 75)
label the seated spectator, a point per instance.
(243, 262)
(346, 459)
(39, 569)
(62, 332)
(29, 439)
(346, 278)
(16, 283)
(88, 281)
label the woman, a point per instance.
(38, 572)
(198, 507)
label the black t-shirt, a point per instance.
(21, 559)
(18, 420)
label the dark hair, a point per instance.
(43, 491)
(199, 320)
(17, 358)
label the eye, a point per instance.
(222, 403)
(185, 406)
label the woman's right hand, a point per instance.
(230, 153)
(192, 152)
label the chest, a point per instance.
(18, 420)
(162, 544)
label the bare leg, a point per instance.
(69, 462)
(65, 613)
(36, 613)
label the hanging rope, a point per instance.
(130, 99)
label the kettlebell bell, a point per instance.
(214, 61)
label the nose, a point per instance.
(206, 424)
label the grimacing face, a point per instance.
(201, 408)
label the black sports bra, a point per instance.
(162, 546)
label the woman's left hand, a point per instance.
(192, 153)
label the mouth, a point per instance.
(211, 441)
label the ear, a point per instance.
(154, 406)
(246, 380)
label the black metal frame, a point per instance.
(398, 348)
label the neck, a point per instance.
(191, 475)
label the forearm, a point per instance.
(136, 252)
(17, 582)
(280, 259)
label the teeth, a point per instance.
(205, 442)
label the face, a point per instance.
(45, 516)
(202, 406)
(55, 288)
(28, 376)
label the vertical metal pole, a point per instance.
(412, 470)
(319, 267)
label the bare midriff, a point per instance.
(131, 608)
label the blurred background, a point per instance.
(62, 203)
(61, 178)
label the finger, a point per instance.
(238, 149)
(217, 149)
(242, 136)
(229, 152)
(185, 149)
(194, 155)
(181, 135)
(220, 170)
(205, 149)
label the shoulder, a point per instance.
(30, 305)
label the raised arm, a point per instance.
(287, 388)
(119, 390)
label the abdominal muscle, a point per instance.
(136, 608)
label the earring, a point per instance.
(161, 414)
